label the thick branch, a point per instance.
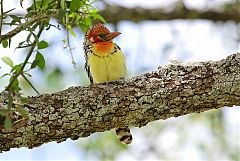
(171, 91)
(115, 13)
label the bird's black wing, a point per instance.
(87, 50)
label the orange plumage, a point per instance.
(103, 49)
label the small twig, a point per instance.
(1, 22)
(34, 3)
(68, 41)
(24, 46)
(81, 12)
(41, 3)
(51, 25)
(26, 59)
(70, 49)
(25, 25)
(7, 23)
(9, 11)
(30, 83)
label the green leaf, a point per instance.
(5, 43)
(42, 4)
(42, 44)
(40, 60)
(21, 1)
(71, 31)
(15, 18)
(7, 60)
(62, 4)
(68, 3)
(24, 100)
(61, 13)
(12, 23)
(29, 14)
(8, 123)
(22, 111)
(34, 64)
(10, 102)
(14, 84)
(16, 68)
(83, 27)
(75, 5)
(4, 112)
(54, 75)
(88, 21)
(99, 17)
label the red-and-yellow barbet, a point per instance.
(105, 62)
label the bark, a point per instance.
(115, 13)
(173, 90)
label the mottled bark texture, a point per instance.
(115, 13)
(173, 90)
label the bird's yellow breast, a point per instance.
(107, 68)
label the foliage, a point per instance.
(97, 146)
(14, 108)
(69, 14)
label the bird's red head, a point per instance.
(100, 33)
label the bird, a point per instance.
(105, 62)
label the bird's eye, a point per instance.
(102, 36)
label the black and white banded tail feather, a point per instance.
(124, 135)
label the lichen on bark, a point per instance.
(173, 90)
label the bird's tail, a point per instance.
(124, 135)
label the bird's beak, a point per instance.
(112, 35)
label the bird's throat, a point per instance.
(103, 48)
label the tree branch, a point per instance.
(38, 18)
(1, 21)
(115, 13)
(171, 91)
(30, 51)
